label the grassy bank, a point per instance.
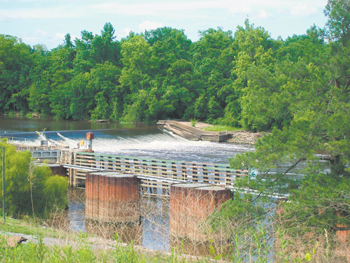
(75, 247)
(82, 252)
(220, 128)
(70, 246)
(28, 227)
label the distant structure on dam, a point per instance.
(191, 133)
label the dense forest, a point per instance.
(244, 78)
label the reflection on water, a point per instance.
(155, 222)
(152, 232)
(9, 125)
(76, 216)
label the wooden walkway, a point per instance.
(156, 175)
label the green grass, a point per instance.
(40, 252)
(28, 227)
(220, 128)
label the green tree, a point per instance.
(104, 48)
(15, 63)
(171, 80)
(104, 80)
(48, 193)
(61, 71)
(212, 59)
(59, 93)
(319, 203)
(80, 97)
(253, 48)
(178, 88)
(338, 12)
(83, 61)
(135, 79)
(39, 90)
(169, 45)
(310, 153)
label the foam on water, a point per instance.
(167, 146)
(149, 142)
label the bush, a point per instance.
(193, 122)
(11, 114)
(30, 188)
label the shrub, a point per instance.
(193, 122)
(30, 188)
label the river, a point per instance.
(125, 140)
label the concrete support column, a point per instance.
(112, 197)
(190, 206)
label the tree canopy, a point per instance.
(242, 78)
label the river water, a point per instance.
(125, 140)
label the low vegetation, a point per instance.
(81, 252)
(28, 226)
(220, 128)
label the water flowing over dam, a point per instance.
(147, 142)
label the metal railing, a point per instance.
(161, 173)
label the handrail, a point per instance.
(192, 171)
(152, 160)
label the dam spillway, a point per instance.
(148, 142)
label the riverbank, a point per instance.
(199, 131)
(244, 137)
(56, 243)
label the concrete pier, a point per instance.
(190, 206)
(112, 197)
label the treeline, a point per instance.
(224, 77)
